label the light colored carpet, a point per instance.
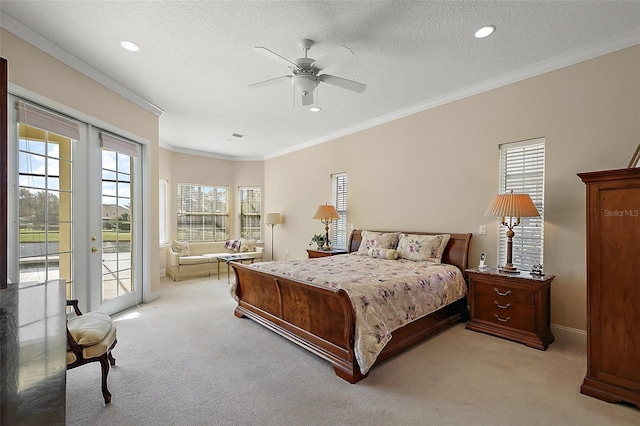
(185, 359)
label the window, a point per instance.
(202, 212)
(162, 213)
(250, 212)
(522, 170)
(340, 236)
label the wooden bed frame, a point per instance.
(322, 320)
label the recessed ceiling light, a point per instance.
(314, 109)
(485, 31)
(129, 45)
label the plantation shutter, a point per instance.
(339, 239)
(522, 170)
(162, 214)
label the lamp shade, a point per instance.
(326, 212)
(273, 219)
(512, 205)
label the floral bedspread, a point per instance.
(386, 294)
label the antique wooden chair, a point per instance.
(90, 338)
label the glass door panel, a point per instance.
(44, 206)
(117, 220)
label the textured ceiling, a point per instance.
(197, 58)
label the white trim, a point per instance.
(564, 329)
(206, 154)
(565, 334)
(35, 39)
(552, 64)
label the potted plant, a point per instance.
(317, 239)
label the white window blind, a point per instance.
(202, 212)
(47, 120)
(115, 143)
(522, 170)
(340, 236)
(162, 212)
(250, 213)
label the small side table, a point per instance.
(324, 253)
(512, 306)
(241, 258)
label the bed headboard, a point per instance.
(456, 253)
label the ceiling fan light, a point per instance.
(304, 84)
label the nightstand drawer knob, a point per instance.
(502, 319)
(506, 293)
(502, 306)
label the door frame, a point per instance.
(144, 285)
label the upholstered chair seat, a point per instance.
(90, 338)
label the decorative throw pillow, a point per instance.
(386, 240)
(233, 245)
(382, 253)
(247, 244)
(180, 247)
(422, 247)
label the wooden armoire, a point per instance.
(613, 285)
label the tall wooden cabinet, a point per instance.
(613, 285)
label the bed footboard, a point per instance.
(319, 319)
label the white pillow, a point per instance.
(382, 253)
(385, 240)
(180, 247)
(247, 245)
(422, 247)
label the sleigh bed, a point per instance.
(320, 315)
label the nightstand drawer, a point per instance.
(503, 293)
(506, 313)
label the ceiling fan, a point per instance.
(305, 77)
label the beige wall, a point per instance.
(438, 170)
(37, 72)
(186, 168)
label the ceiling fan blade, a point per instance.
(335, 56)
(274, 56)
(307, 99)
(343, 82)
(268, 82)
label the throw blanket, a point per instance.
(386, 294)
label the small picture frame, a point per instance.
(635, 159)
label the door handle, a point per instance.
(94, 250)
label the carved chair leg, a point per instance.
(104, 363)
(112, 360)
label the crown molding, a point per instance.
(206, 154)
(558, 62)
(31, 37)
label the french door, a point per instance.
(77, 211)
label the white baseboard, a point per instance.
(561, 332)
(152, 296)
(163, 272)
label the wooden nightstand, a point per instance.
(323, 253)
(513, 306)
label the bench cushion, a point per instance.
(193, 260)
